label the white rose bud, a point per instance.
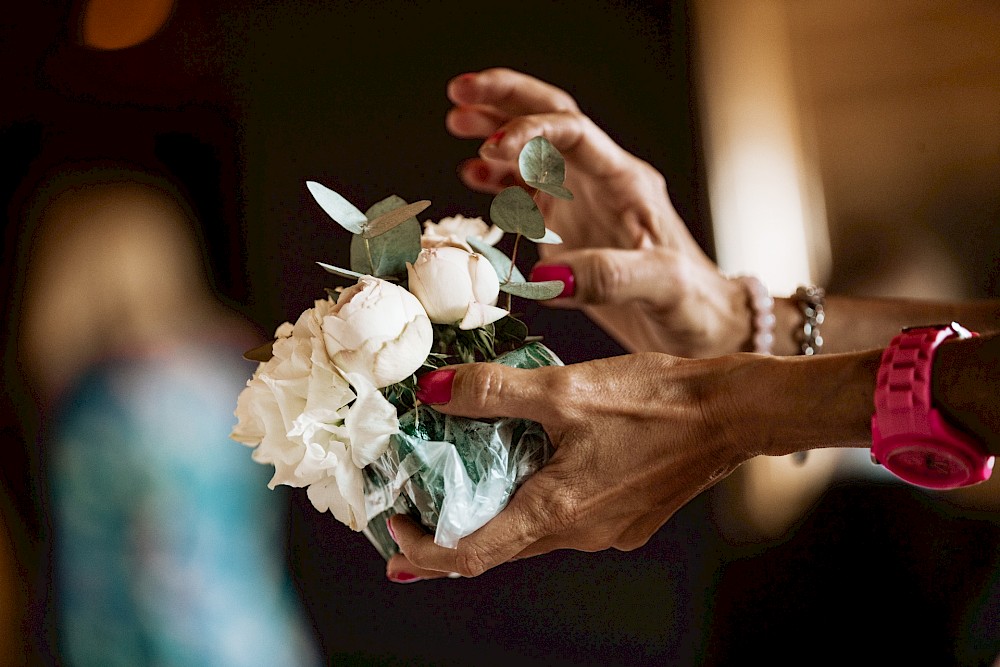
(456, 286)
(379, 331)
(455, 230)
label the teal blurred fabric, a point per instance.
(169, 549)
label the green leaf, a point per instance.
(386, 254)
(514, 211)
(501, 263)
(510, 331)
(338, 208)
(541, 291)
(543, 167)
(343, 273)
(552, 189)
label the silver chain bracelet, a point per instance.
(810, 302)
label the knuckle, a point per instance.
(470, 561)
(562, 510)
(485, 386)
(604, 279)
(557, 381)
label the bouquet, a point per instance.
(332, 403)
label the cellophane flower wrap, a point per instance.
(332, 404)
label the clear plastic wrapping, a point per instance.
(453, 474)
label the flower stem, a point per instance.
(368, 251)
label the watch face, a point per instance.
(929, 464)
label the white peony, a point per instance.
(316, 425)
(379, 331)
(455, 230)
(455, 286)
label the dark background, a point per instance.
(244, 103)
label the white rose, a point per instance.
(379, 331)
(455, 286)
(455, 230)
(300, 414)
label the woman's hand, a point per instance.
(638, 272)
(636, 437)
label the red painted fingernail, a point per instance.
(556, 272)
(482, 172)
(392, 533)
(404, 578)
(496, 137)
(435, 387)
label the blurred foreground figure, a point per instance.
(168, 545)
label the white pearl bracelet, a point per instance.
(762, 311)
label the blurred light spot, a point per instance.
(111, 25)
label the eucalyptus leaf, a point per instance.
(343, 273)
(550, 237)
(540, 163)
(540, 291)
(510, 331)
(386, 254)
(338, 208)
(553, 189)
(501, 263)
(393, 218)
(514, 211)
(261, 353)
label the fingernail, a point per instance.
(556, 272)
(435, 387)
(496, 137)
(404, 577)
(482, 172)
(392, 533)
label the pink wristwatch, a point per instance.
(909, 436)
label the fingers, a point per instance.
(511, 93)
(503, 538)
(580, 141)
(474, 121)
(512, 108)
(609, 276)
(400, 570)
(486, 176)
(487, 390)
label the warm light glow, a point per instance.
(768, 215)
(119, 24)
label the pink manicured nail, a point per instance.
(392, 533)
(556, 272)
(435, 387)
(404, 578)
(496, 137)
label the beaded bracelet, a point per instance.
(810, 301)
(762, 310)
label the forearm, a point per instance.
(854, 323)
(792, 404)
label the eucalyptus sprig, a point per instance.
(387, 236)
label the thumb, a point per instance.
(485, 390)
(606, 276)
